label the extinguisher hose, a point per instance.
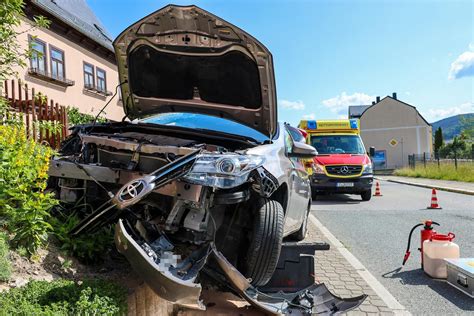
(407, 253)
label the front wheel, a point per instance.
(265, 244)
(366, 195)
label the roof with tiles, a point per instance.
(78, 15)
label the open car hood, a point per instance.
(185, 59)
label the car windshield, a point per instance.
(206, 122)
(337, 144)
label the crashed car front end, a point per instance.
(173, 195)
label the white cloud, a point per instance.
(339, 104)
(293, 105)
(463, 66)
(437, 114)
(310, 116)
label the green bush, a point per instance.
(5, 265)
(88, 248)
(64, 297)
(24, 204)
(75, 117)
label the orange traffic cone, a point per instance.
(434, 201)
(377, 189)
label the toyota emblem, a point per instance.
(344, 169)
(132, 190)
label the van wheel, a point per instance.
(265, 244)
(366, 195)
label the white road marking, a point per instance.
(378, 288)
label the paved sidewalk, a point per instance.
(343, 279)
(445, 185)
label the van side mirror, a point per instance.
(372, 151)
(302, 150)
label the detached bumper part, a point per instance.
(315, 299)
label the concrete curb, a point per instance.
(376, 286)
(429, 186)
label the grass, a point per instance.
(446, 171)
(5, 265)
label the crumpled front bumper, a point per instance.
(159, 277)
(168, 283)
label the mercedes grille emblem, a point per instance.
(344, 169)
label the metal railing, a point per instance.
(415, 160)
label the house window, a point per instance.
(57, 63)
(88, 76)
(38, 55)
(101, 82)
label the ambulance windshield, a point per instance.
(337, 144)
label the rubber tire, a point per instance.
(265, 245)
(366, 195)
(301, 233)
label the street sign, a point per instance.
(393, 142)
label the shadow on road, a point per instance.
(337, 199)
(418, 277)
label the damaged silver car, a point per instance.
(202, 182)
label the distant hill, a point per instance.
(453, 125)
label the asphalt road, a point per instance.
(376, 232)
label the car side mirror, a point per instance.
(372, 151)
(302, 150)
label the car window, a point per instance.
(288, 141)
(206, 122)
(295, 134)
(337, 144)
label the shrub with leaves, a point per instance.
(24, 204)
(63, 297)
(75, 117)
(90, 248)
(5, 265)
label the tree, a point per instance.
(438, 141)
(467, 127)
(11, 52)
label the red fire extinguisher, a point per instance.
(425, 234)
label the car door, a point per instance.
(298, 183)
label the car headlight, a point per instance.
(223, 170)
(319, 169)
(368, 168)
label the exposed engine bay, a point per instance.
(163, 183)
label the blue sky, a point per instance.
(329, 54)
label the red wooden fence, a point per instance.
(37, 109)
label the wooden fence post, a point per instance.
(34, 109)
(33, 113)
